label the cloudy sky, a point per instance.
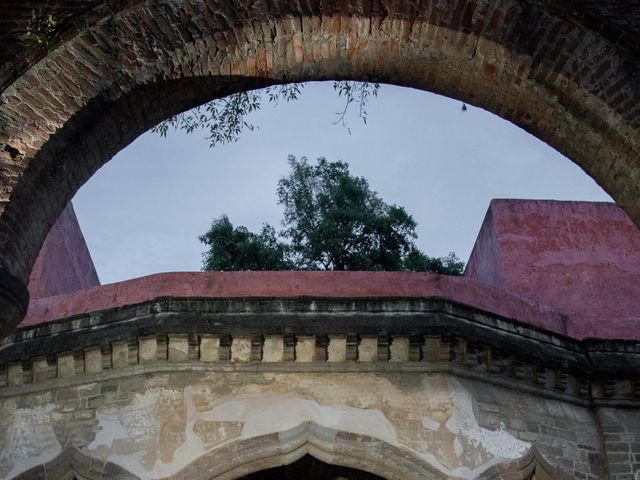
(143, 211)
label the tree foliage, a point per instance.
(225, 119)
(233, 249)
(332, 221)
(42, 27)
(417, 261)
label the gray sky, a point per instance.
(143, 211)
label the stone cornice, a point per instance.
(319, 335)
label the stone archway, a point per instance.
(338, 448)
(532, 466)
(310, 468)
(350, 456)
(71, 464)
(128, 66)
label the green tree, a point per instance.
(233, 249)
(417, 261)
(332, 221)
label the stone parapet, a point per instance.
(320, 335)
(196, 388)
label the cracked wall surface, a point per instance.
(156, 425)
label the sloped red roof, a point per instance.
(569, 267)
(354, 285)
(581, 258)
(64, 263)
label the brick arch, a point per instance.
(111, 80)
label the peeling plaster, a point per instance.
(462, 449)
(430, 424)
(258, 413)
(29, 439)
(458, 448)
(500, 445)
(263, 414)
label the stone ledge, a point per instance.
(321, 335)
(59, 383)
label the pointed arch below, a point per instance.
(532, 466)
(243, 457)
(72, 464)
(334, 447)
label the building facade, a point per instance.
(377, 374)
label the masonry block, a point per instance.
(433, 349)
(15, 374)
(178, 348)
(399, 349)
(119, 354)
(305, 348)
(93, 359)
(147, 349)
(209, 348)
(368, 348)
(66, 365)
(241, 349)
(273, 349)
(337, 349)
(39, 369)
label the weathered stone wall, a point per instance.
(567, 435)
(156, 425)
(402, 388)
(621, 430)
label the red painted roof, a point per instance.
(568, 267)
(581, 258)
(64, 263)
(296, 284)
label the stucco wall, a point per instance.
(353, 285)
(407, 389)
(157, 425)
